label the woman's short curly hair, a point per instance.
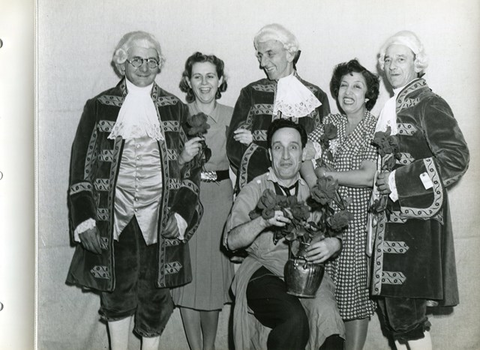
(137, 38)
(199, 57)
(410, 40)
(352, 66)
(277, 32)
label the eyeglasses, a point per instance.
(137, 62)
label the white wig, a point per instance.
(137, 38)
(410, 40)
(280, 33)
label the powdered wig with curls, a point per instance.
(280, 33)
(410, 40)
(349, 67)
(199, 57)
(137, 38)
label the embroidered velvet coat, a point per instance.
(414, 253)
(254, 111)
(93, 173)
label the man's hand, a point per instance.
(321, 251)
(190, 150)
(243, 136)
(279, 219)
(382, 183)
(91, 240)
(171, 229)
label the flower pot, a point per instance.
(303, 278)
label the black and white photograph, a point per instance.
(230, 175)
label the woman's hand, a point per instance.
(243, 136)
(321, 251)
(190, 150)
(321, 171)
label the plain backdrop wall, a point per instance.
(75, 42)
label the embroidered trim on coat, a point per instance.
(91, 154)
(406, 129)
(262, 108)
(436, 206)
(101, 272)
(259, 135)
(105, 125)
(243, 171)
(403, 101)
(81, 187)
(173, 267)
(162, 101)
(111, 100)
(102, 184)
(172, 154)
(171, 125)
(103, 214)
(264, 87)
(393, 277)
(191, 186)
(378, 255)
(106, 155)
(405, 159)
(395, 247)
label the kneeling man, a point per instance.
(259, 287)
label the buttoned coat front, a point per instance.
(93, 173)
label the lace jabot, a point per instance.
(137, 116)
(294, 99)
(388, 115)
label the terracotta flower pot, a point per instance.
(303, 278)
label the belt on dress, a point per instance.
(212, 176)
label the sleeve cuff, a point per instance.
(82, 227)
(393, 186)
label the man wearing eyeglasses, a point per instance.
(133, 196)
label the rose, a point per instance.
(325, 190)
(300, 211)
(326, 140)
(197, 124)
(339, 220)
(385, 142)
(329, 131)
(268, 213)
(268, 200)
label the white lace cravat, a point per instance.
(137, 116)
(294, 99)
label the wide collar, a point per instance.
(409, 95)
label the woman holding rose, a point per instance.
(348, 157)
(201, 301)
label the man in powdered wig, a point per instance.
(133, 196)
(414, 261)
(282, 95)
